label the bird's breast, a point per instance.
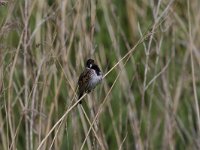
(95, 79)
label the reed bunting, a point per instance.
(89, 78)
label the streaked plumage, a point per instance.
(89, 78)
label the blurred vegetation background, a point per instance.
(149, 51)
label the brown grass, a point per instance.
(147, 50)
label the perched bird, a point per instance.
(89, 78)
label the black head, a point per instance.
(89, 63)
(96, 68)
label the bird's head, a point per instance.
(89, 63)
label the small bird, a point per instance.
(89, 78)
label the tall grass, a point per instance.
(149, 54)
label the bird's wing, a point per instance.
(83, 81)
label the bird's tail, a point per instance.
(80, 95)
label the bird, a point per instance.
(89, 78)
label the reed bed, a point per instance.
(148, 50)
